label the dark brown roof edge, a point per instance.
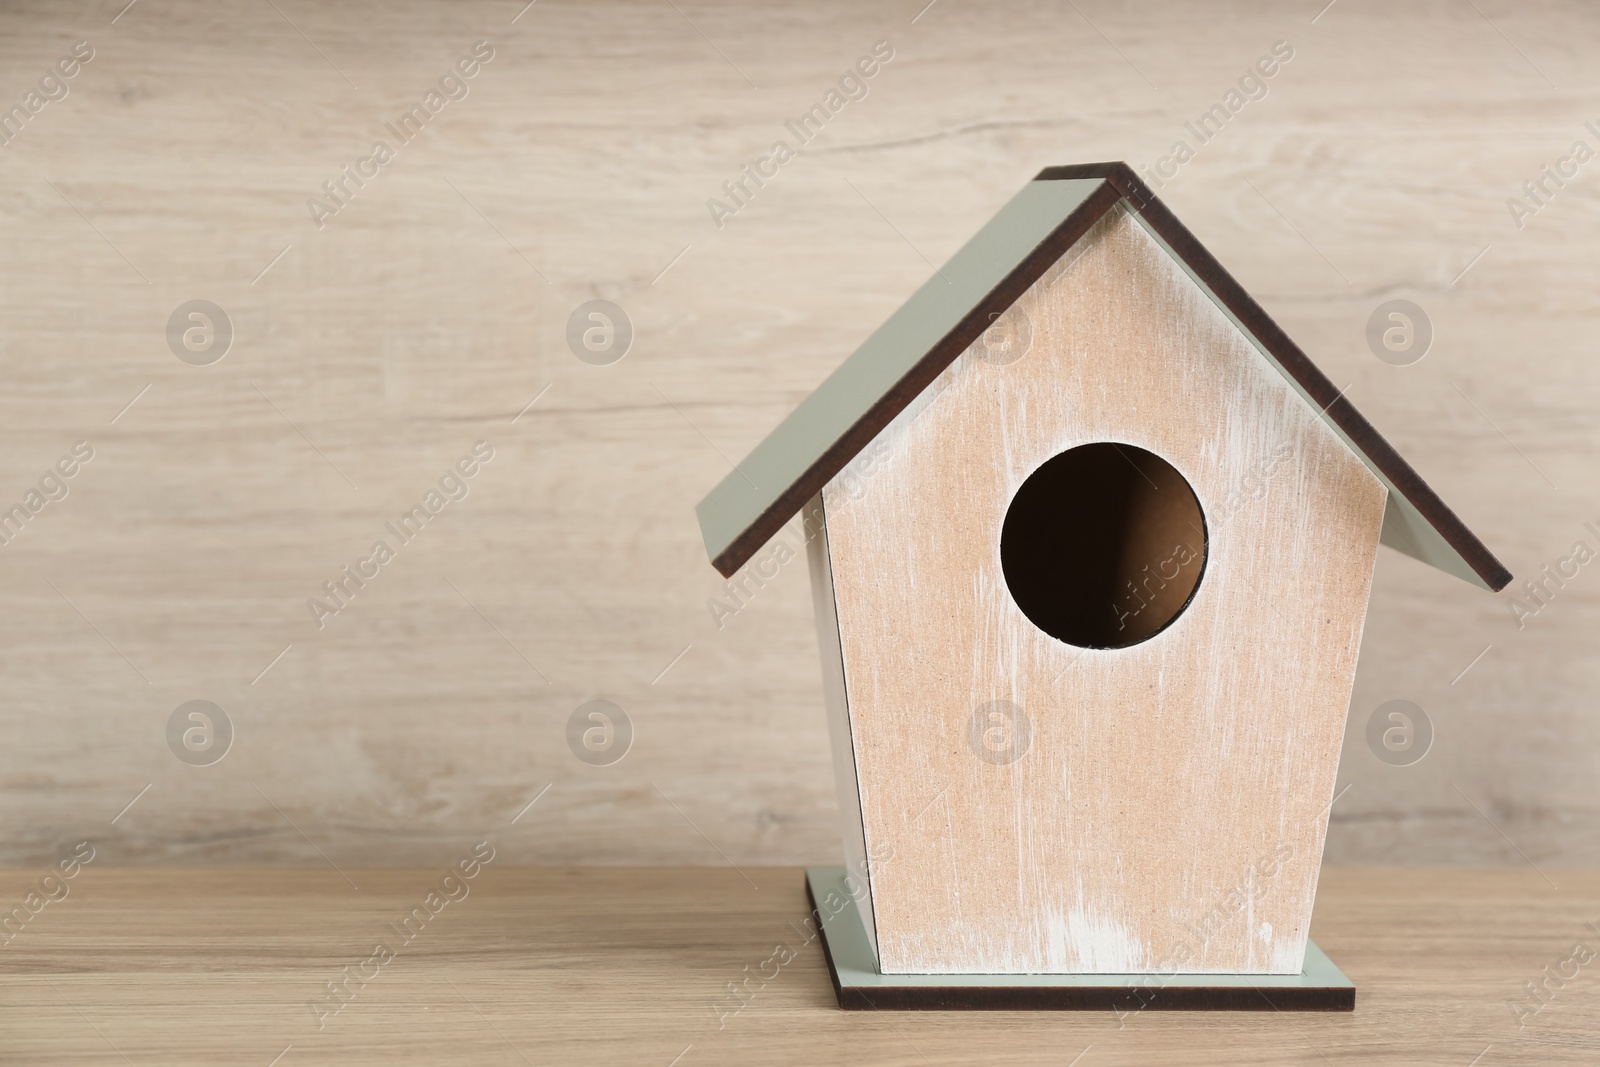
(921, 375)
(1296, 364)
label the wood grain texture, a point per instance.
(619, 966)
(1166, 803)
(408, 327)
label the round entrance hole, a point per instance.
(1104, 545)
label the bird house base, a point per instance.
(853, 966)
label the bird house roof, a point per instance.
(944, 317)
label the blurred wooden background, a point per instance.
(429, 311)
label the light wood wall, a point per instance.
(427, 313)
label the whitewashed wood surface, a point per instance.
(378, 349)
(1159, 807)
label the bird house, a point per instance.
(1091, 542)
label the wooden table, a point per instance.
(633, 966)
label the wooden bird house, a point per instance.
(1092, 547)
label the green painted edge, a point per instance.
(856, 966)
(886, 356)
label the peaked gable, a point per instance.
(952, 309)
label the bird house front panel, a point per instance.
(1099, 597)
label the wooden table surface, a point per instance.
(613, 965)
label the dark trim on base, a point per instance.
(1119, 998)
